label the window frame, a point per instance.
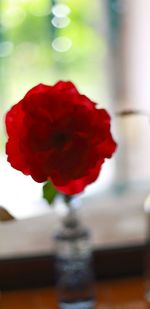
(39, 271)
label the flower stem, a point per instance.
(67, 199)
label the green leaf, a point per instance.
(49, 192)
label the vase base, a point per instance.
(79, 304)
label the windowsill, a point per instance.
(114, 221)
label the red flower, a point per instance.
(56, 133)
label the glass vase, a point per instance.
(74, 271)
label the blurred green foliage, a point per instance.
(28, 58)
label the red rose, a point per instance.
(56, 133)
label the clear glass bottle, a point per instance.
(74, 265)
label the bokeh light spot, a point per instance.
(61, 10)
(62, 44)
(60, 22)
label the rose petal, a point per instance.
(56, 133)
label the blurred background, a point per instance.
(103, 46)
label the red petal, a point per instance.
(16, 157)
(14, 119)
(78, 185)
(66, 86)
(40, 88)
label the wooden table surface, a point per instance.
(116, 294)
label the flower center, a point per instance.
(60, 139)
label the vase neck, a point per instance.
(71, 220)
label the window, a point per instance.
(45, 41)
(103, 47)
